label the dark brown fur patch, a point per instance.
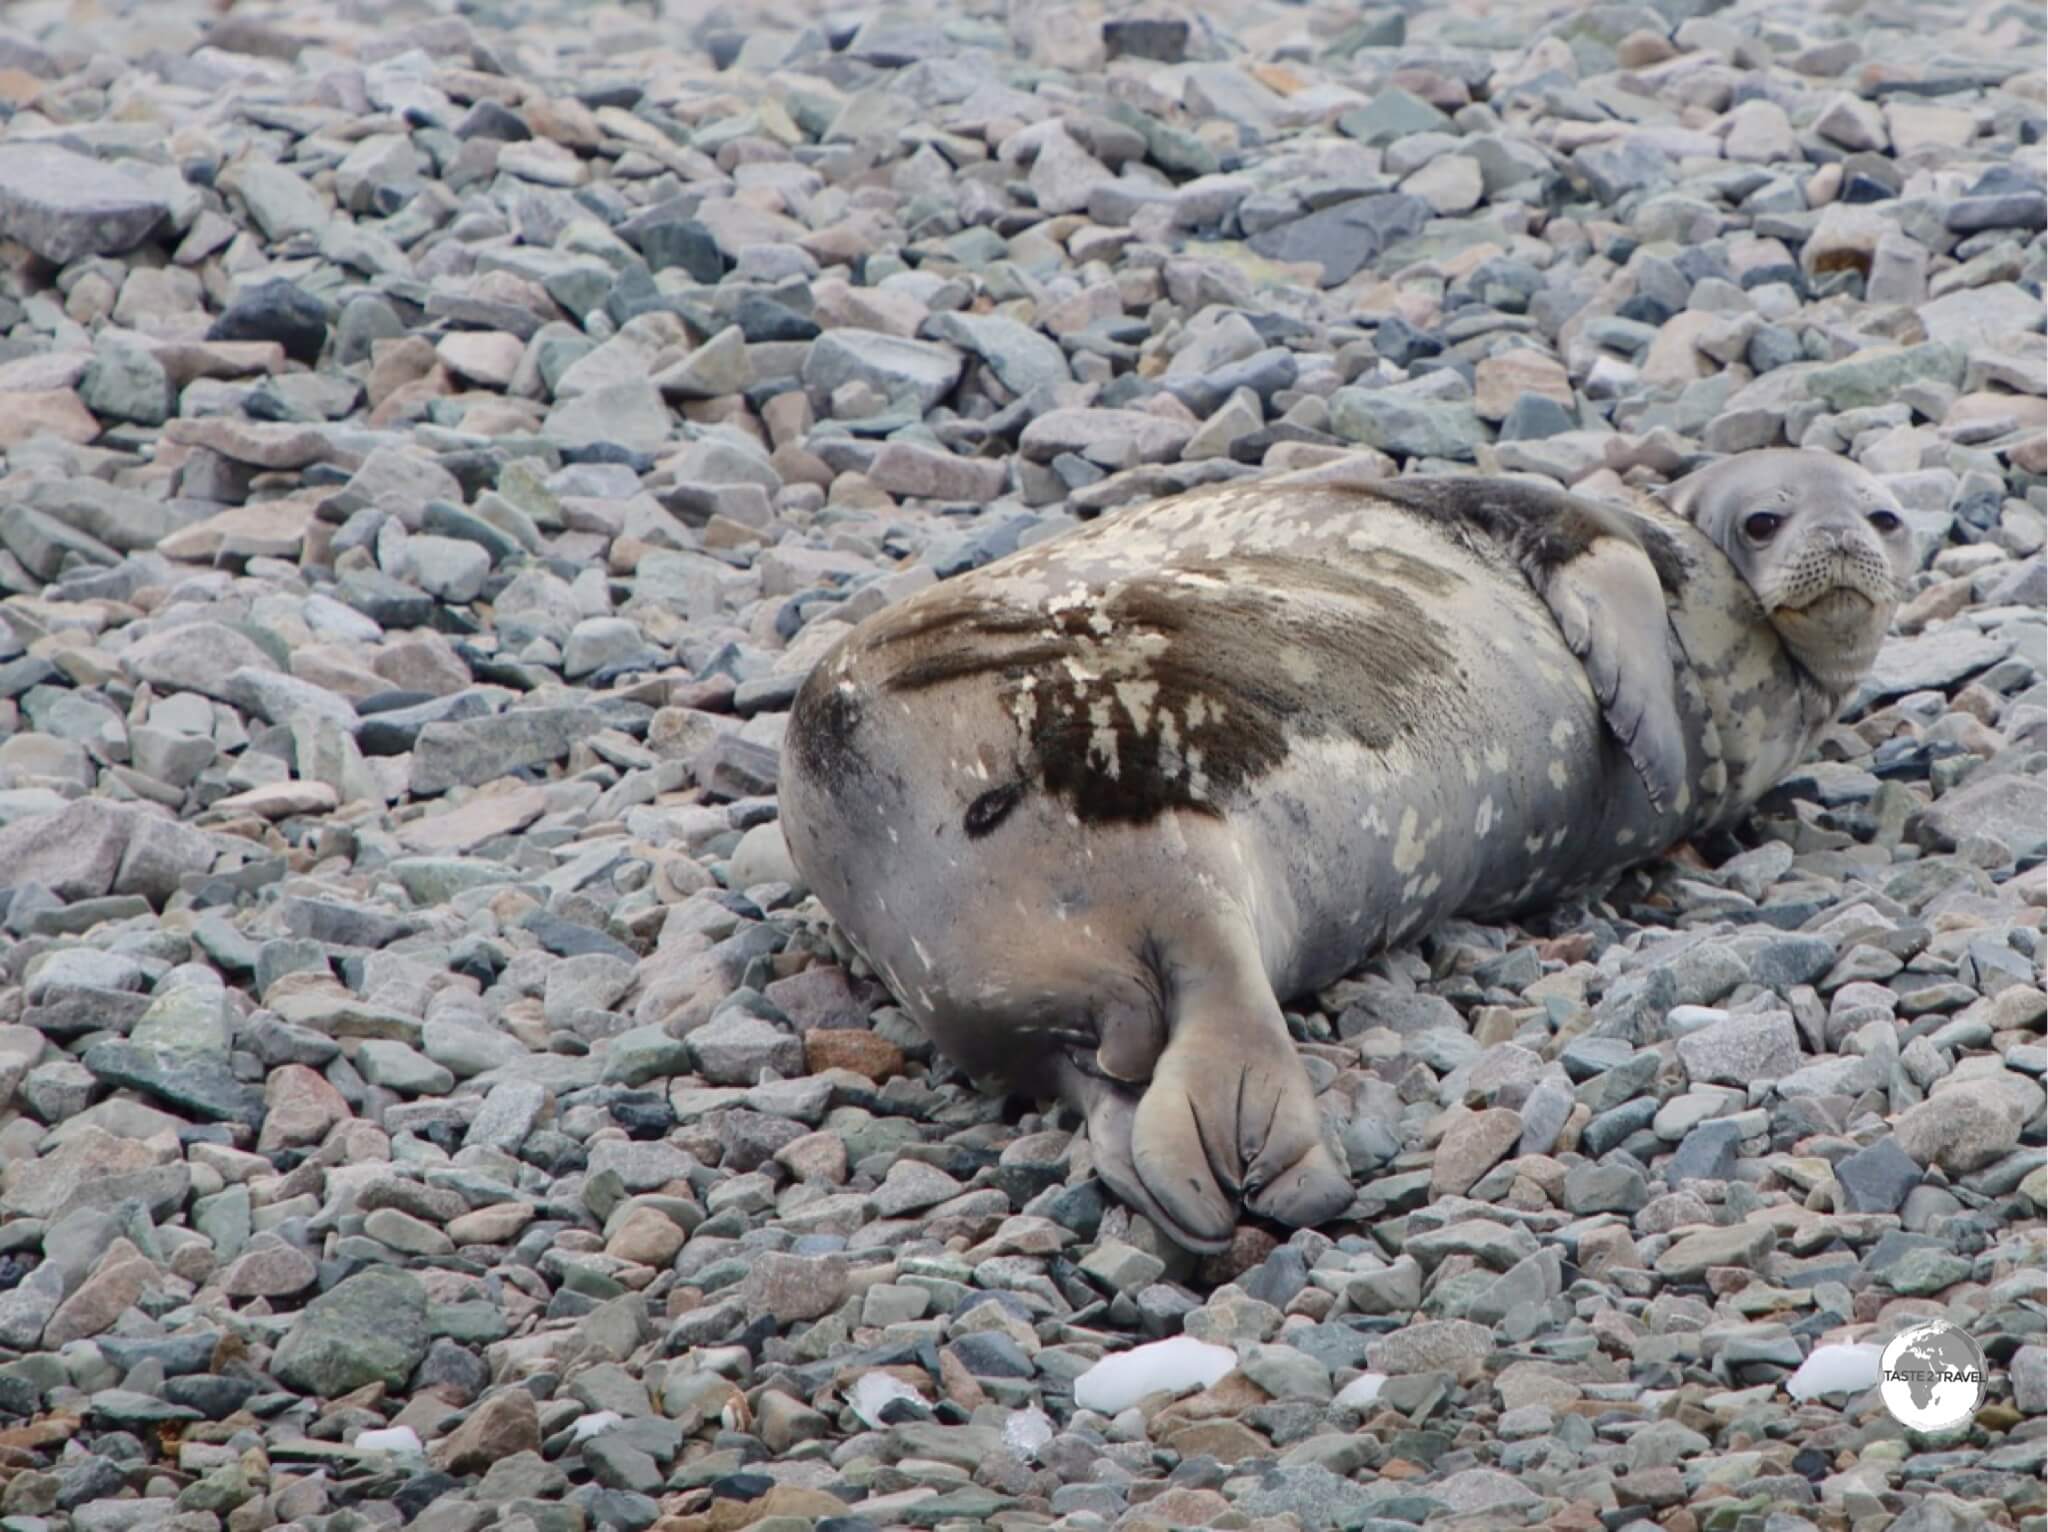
(1667, 556)
(1543, 527)
(1237, 645)
(822, 723)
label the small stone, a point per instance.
(715, 369)
(489, 357)
(1741, 1049)
(629, 415)
(278, 199)
(475, 750)
(300, 1106)
(407, 1234)
(597, 643)
(1502, 382)
(911, 1186)
(127, 383)
(1760, 133)
(1109, 438)
(917, 373)
(1407, 426)
(269, 1268)
(1450, 184)
(1921, 1272)
(2029, 1371)
(1604, 1189)
(501, 1426)
(1473, 1146)
(1691, 1257)
(858, 1050)
(1429, 1346)
(1346, 236)
(733, 1049)
(1708, 1153)
(115, 1285)
(1852, 123)
(645, 1238)
(904, 468)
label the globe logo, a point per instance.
(1931, 1377)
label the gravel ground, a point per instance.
(437, 439)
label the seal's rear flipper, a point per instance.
(1229, 1117)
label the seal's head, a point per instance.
(1822, 544)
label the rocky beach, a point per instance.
(436, 441)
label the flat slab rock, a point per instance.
(64, 205)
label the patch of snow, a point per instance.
(594, 1424)
(1170, 1366)
(389, 1439)
(1835, 1369)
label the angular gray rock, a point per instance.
(368, 1328)
(64, 205)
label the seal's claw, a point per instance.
(1312, 1190)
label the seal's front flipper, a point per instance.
(1599, 580)
(1609, 605)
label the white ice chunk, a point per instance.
(1026, 1431)
(872, 1392)
(1835, 1369)
(1361, 1392)
(1129, 1426)
(390, 1439)
(594, 1424)
(1170, 1366)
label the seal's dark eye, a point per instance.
(1885, 521)
(1762, 525)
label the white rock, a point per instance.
(1835, 1369)
(448, 567)
(1361, 1392)
(1172, 1366)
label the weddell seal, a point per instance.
(1093, 810)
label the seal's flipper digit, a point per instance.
(1131, 1038)
(1111, 1113)
(1600, 598)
